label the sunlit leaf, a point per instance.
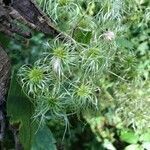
(129, 136)
(134, 147)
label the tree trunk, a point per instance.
(4, 83)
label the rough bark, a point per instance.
(33, 15)
(4, 83)
(4, 74)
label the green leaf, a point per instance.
(108, 145)
(134, 147)
(129, 136)
(124, 43)
(82, 36)
(143, 48)
(145, 137)
(44, 140)
(146, 145)
(21, 110)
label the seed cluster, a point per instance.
(94, 73)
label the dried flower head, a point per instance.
(109, 35)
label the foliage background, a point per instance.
(122, 118)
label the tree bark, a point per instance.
(4, 83)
